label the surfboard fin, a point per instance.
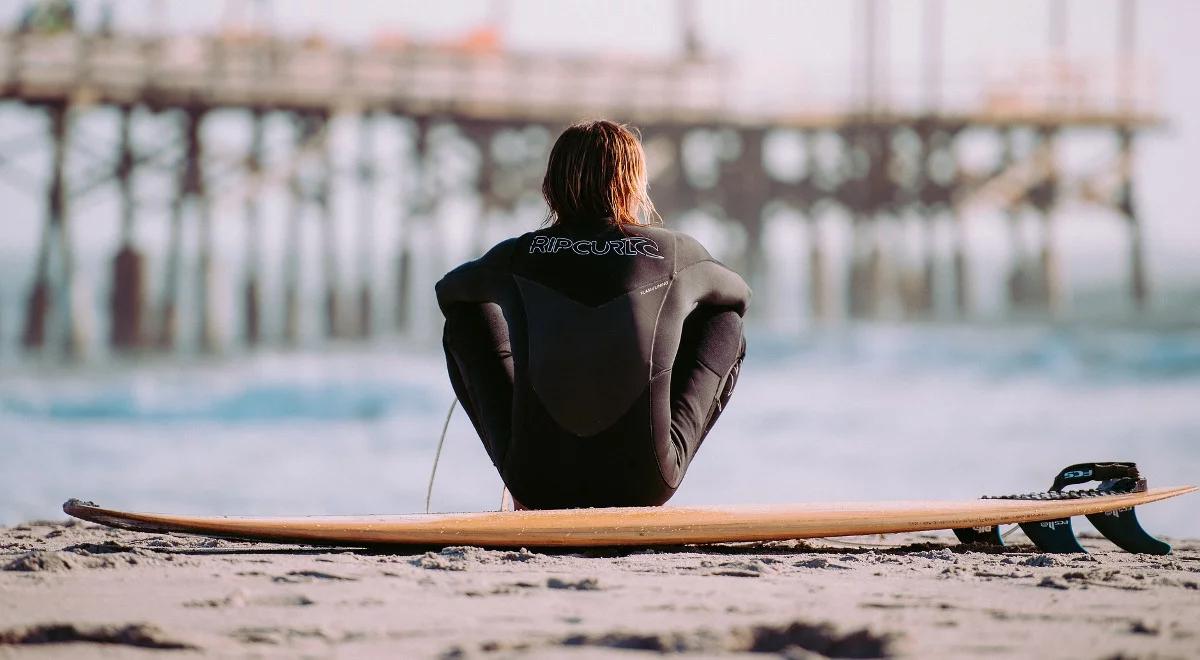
(1053, 536)
(981, 535)
(1057, 536)
(1122, 528)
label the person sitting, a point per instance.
(594, 355)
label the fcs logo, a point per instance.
(1075, 474)
(630, 246)
(1054, 523)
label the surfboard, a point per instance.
(633, 526)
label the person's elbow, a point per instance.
(443, 291)
(741, 300)
(741, 305)
(747, 298)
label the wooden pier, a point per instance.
(891, 163)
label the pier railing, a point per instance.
(308, 75)
(262, 72)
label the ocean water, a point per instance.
(852, 412)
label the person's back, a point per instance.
(593, 356)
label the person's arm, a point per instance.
(723, 288)
(710, 282)
(479, 281)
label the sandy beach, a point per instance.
(80, 590)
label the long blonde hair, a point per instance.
(596, 177)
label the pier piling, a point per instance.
(252, 278)
(49, 293)
(367, 175)
(126, 313)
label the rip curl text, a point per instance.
(630, 246)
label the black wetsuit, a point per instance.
(593, 364)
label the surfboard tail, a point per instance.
(1057, 536)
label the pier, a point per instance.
(890, 170)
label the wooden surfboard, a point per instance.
(623, 526)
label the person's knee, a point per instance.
(475, 320)
(719, 340)
(474, 331)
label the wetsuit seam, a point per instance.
(653, 344)
(518, 305)
(701, 362)
(709, 260)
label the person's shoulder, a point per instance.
(666, 239)
(653, 231)
(500, 254)
(688, 250)
(498, 257)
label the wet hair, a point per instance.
(596, 177)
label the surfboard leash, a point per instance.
(437, 455)
(505, 496)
